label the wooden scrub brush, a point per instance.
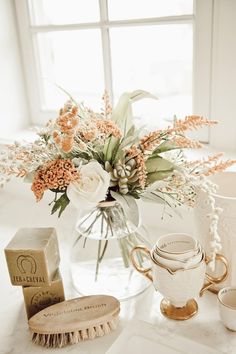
(75, 320)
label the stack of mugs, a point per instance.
(178, 251)
(178, 272)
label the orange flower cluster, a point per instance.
(67, 123)
(68, 119)
(190, 123)
(108, 127)
(137, 154)
(55, 175)
(150, 141)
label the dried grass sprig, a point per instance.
(219, 167)
(184, 142)
(107, 105)
(108, 127)
(191, 123)
(19, 160)
(14, 171)
(150, 141)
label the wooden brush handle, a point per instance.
(75, 314)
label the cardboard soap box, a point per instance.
(33, 256)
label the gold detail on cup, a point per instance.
(179, 313)
(215, 280)
(145, 271)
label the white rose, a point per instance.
(91, 188)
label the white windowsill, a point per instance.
(27, 134)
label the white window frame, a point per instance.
(202, 20)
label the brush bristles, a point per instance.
(60, 340)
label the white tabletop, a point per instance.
(18, 209)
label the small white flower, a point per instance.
(91, 188)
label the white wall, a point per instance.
(13, 104)
(223, 103)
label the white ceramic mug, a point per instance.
(227, 307)
(175, 264)
(178, 287)
(177, 246)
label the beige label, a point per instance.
(43, 299)
(76, 309)
(27, 279)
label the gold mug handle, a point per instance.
(145, 271)
(215, 280)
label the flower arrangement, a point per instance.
(85, 157)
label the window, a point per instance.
(86, 46)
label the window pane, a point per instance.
(157, 59)
(58, 12)
(128, 9)
(73, 60)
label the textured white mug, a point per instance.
(175, 264)
(227, 307)
(177, 246)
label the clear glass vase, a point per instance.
(100, 255)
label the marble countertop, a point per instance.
(18, 209)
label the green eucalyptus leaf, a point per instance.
(131, 139)
(122, 114)
(111, 146)
(129, 205)
(130, 132)
(165, 146)
(157, 163)
(60, 204)
(120, 155)
(140, 94)
(157, 176)
(127, 141)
